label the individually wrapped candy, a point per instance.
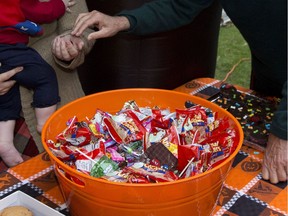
(77, 133)
(123, 129)
(115, 155)
(160, 153)
(103, 166)
(134, 149)
(152, 173)
(145, 145)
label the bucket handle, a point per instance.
(69, 177)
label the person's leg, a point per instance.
(37, 75)
(42, 114)
(8, 152)
(40, 77)
(10, 108)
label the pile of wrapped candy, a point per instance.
(145, 144)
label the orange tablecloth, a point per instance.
(244, 192)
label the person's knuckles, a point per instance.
(273, 175)
(265, 171)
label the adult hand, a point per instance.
(275, 160)
(5, 83)
(107, 26)
(67, 47)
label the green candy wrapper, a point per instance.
(103, 166)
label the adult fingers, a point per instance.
(282, 173)
(275, 160)
(269, 172)
(7, 75)
(77, 42)
(265, 173)
(5, 83)
(56, 47)
(102, 33)
(79, 17)
(84, 21)
(64, 52)
(5, 86)
(269, 165)
(71, 50)
(273, 176)
(67, 47)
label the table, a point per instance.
(244, 192)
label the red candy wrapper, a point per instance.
(186, 153)
(77, 133)
(123, 129)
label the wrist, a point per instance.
(123, 23)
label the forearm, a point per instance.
(163, 15)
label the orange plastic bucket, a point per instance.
(92, 196)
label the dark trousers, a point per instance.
(37, 75)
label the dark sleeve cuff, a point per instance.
(279, 123)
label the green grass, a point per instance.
(231, 49)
